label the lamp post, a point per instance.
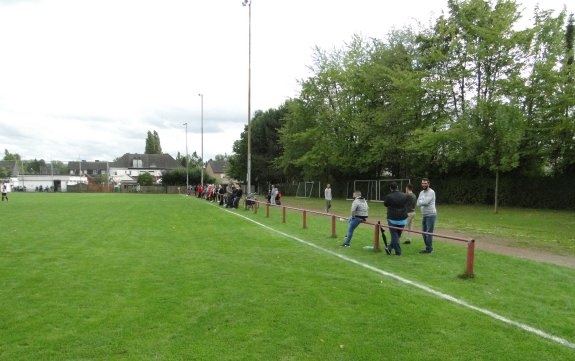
(202, 142)
(187, 161)
(248, 3)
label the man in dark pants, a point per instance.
(426, 201)
(396, 216)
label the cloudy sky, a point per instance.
(87, 79)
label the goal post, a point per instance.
(374, 189)
(308, 189)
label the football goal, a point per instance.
(374, 189)
(308, 189)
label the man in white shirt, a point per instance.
(328, 198)
(426, 201)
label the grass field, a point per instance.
(169, 277)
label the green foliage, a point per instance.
(153, 145)
(5, 172)
(264, 147)
(101, 179)
(11, 156)
(177, 177)
(469, 95)
(145, 179)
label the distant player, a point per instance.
(328, 198)
(5, 190)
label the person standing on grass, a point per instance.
(5, 191)
(359, 212)
(274, 194)
(328, 198)
(410, 208)
(396, 216)
(426, 201)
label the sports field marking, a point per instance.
(525, 327)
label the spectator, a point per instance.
(396, 216)
(359, 213)
(426, 201)
(274, 194)
(410, 208)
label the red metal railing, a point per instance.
(377, 229)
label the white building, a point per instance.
(54, 183)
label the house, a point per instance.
(217, 169)
(88, 168)
(126, 169)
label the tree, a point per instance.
(145, 179)
(355, 113)
(100, 179)
(265, 147)
(480, 64)
(153, 143)
(11, 156)
(219, 157)
(177, 177)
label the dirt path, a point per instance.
(502, 247)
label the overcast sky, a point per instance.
(87, 79)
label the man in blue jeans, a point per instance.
(396, 216)
(359, 210)
(426, 201)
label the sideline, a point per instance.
(522, 326)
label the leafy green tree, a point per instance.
(153, 145)
(145, 179)
(481, 61)
(5, 172)
(177, 177)
(218, 157)
(11, 156)
(265, 147)
(100, 179)
(356, 112)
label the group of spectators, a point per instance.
(226, 195)
(400, 213)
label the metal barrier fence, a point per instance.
(255, 205)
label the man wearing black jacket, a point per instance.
(396, 216)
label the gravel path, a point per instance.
(502, 247)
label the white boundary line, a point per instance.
(524, 327)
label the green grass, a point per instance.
(167, 277)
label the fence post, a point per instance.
(470, 257)
(304, 219)
(284, 214)
(376, 238)
(333, 235)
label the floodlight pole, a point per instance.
(202, 142)
(248, 3)
(187, 161)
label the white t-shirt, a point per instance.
(328, 194)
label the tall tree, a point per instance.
(153, 145)
(265, 147)
(11, 156)
(484, 59)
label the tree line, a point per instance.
(471, 95)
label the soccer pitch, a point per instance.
(169, 277)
